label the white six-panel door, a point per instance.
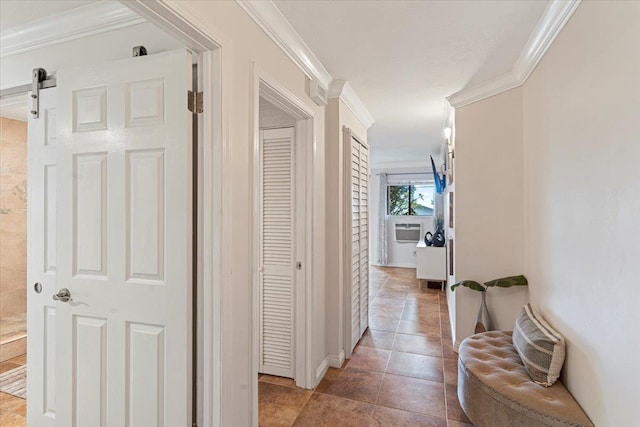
(277, 251)
(122, 346)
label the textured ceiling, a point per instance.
(14, 13)
(404, 57)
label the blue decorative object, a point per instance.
(440, 182)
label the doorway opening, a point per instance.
(283, 140)
(14, 112)
(13, 252)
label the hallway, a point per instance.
(403, 372)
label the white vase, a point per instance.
(483, 321)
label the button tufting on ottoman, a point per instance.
(494, 388)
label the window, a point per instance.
(410, 200)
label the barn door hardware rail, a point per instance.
(40, 80)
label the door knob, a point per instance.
(63, 295)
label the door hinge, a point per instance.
(195, 102)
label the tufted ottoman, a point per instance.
(494, 388)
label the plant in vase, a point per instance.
(483, 321)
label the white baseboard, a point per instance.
(336, 361)
(401, 265)
(322, 369)
(396, 265)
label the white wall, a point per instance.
(489, 208)
(15, 70)
(582, 184)
(398, 254)
(578, 171)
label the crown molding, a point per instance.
(270, 19)
(343, 90)
(93, 18)
(552, 21)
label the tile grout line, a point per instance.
(385, 372)
(375, 403)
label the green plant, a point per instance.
(483, 321)
(504, 282)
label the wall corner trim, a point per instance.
(552, 21)
(343, 90)
(456, 346)
(83, 21)
(336, 361)
(268, 17)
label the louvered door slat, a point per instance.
(277, 198)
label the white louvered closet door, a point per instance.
(277, 251)
(364, 238)
(356, 267)
(357, 277)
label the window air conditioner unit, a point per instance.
(408, 233)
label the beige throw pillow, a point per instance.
(540, 347)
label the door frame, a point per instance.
(269, 88)
(213, 215)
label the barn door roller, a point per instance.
(40, 80)
(139, 51)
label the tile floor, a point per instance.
(403, 372)
(13, 410)
(13, 327)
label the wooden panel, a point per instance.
(145, 375)
(90, 214)
(277, 323)
(90, 371)
(124, 195)
(50, 133)
(49, 212)
(359, 231)
(49, 362)
(277, 202)
(364, 238)
(145, 103)
(277, 252)
(90, 109)
(145, 215)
